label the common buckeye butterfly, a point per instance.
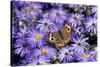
(60, 37)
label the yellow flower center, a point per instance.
(43, 51)
(38, 36)
(86, 55)
(47, 14)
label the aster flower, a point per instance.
(45, 51)
(58, 16)
(36, 39)
(65, 54)
(22, 48)
(87, 56)
(79, 44)
(19, 32)
(21, 14)
(39, 61)
(75, 19)
(46, 26)
(28, 12)
(30, 59)
(35, 8)
(78, 31)
(94, 9)
(91, 25)
(46, 14)
(22, 32)
(18, 4)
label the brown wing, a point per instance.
(66, 33)
(51, 38)
(55, 38)
(59, 41)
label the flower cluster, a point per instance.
(31, 22)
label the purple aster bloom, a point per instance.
(22, 32)
(39, 61)
(35, 8)
(18, 3)
(58, 16)
(46, 14)
(22, 15)
(94, 9)
(79, 44)
(78, 31)
(36, 39)
(65, 54)
(22, 48)
(87, 56)
(45, 51)
(75, 19)
(46, 26)
(91, 25)
(18, 32)
(30, 10)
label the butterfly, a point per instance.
(60, 37)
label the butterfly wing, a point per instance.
(66, 33)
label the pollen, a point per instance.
(38, 36)
(47, 14)
(43, 51)
(86, 55)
